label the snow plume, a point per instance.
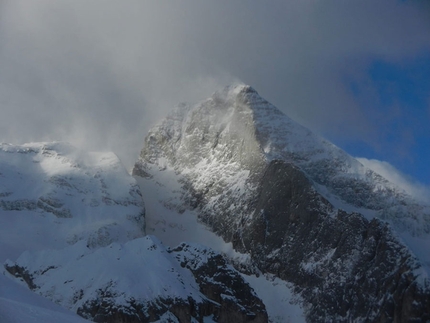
(95, 74)
(418, 191)
(98, 73)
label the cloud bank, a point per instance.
(418, 191)
(98, 73)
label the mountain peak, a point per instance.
(235, 96)
(238, 132)
(238, 88)
(301, 207)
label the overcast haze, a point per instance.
(99, 73)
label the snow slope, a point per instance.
(138, 271)
(139, 281)
(72, 230)
(19, 305)
(53, 195)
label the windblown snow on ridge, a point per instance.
(236, 130)
(218, 150)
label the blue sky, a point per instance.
(395, 96)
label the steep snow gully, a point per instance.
(234, 213)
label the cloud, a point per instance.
(418, 191)
(99, 73)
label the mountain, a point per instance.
(351, 244)
(18, 304)
(141, 281)
(248, 217)
(53, 195)
(72, 229)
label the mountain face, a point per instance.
(308, 232)
(19, 304)
(72, 229)
(141, 281)
(353, 245)
(54, 195)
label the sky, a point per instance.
(100, 73)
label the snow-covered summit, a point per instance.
(53, 195)
(240, 130)
(303, 209)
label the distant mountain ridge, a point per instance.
(72, 229)
(67, 195)
(301, 207)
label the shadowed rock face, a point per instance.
(256, 189)
(221, 284)
(219, 291)
(343, 265)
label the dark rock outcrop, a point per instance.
(343, 265)
(256, 179)
(188, 284)
(222, 284)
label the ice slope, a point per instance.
(19, 305)
(53, 195)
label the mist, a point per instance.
(98, 74)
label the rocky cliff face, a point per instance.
(141, 281)
(274, 190)
(344, 266)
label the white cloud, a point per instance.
(417, 190)
(99, 72)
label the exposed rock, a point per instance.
(221, 284)
(141, 281)
(344, 266)
(263, 182)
